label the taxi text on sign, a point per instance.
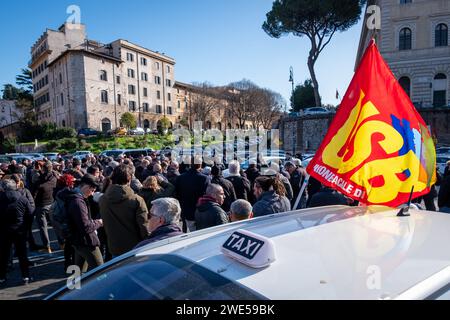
(378, 146)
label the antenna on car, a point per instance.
(404, 211)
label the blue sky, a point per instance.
(219, 41)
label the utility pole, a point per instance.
(291, 79)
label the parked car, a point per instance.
(325, 253)
(136, 153)
(82, 154)
(443, 150)
(86, 132)
(315, 111)
(120, 131)
(36, 156)
(113, 153)
(52, 156)
(137, 132)
(441, 162)
(5, 158)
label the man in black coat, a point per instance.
(327, 197)
(298, 175)
(16, 209)
(44, 200)
(241, 185)
(227, 186)
(209, 213)
(189, 187)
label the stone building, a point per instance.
(81, 83)
(414, 41)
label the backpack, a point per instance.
(60, 219)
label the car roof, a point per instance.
(329, 252)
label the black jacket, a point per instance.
(444, 193)
(189, 187)
(327, 197)
(15, 210)
(228, 190)
(209, 214)
(81, 224)
(44, 193)
(241, 186)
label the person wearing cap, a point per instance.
(83, 228)
(298, 175)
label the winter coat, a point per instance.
(209, 214)
(327, 197)
(241, 186)
(161, 233)
(15, 211)
(167, 190)
(44, 193)
(228, 190)
(189, 187)
(270, 202)
(81, 225)
(125, 218)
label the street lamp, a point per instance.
(291, 79)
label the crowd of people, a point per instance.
(102, 207)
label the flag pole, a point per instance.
(304, 185)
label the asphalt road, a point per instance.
(48, 273)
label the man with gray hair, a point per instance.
(240, 210)
(241, 184)
(164, 220)
(209, 212)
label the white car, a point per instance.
(334, 252)
(137, 131)
(82, 154)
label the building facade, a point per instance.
(81, 83)
(10, 116)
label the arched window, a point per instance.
(146, 124)
(64, 123)
(405, 83)
(106, 125)
(208, 124)
(440, 90)
(405, 39)
(441, 35)
(219, 125)
(103, 75)
(229, 125)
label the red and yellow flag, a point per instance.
(378, 146)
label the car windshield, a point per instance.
(158, 277)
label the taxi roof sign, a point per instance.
(250, 249)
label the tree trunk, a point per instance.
(311, 63)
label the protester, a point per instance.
(209, 213)
(164, 222)
(227, 186)
(189, 187)
(124, 213)
(241, 185)
(16, 211)
(327, 197)
(240, 210)
(154, 188)
(270, 195)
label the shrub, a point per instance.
(52, 146)
(69, 144)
